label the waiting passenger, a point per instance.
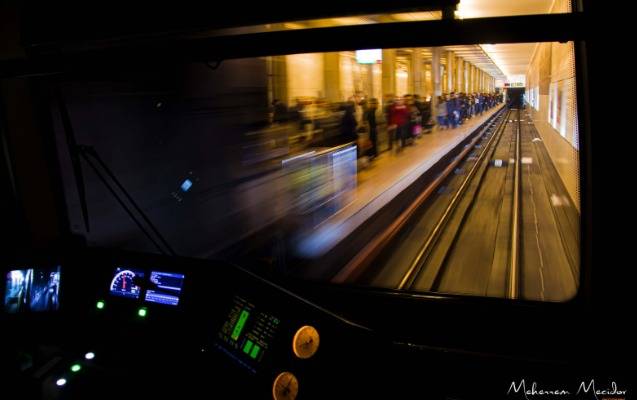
(348, 125)
(391, 128)
(400, 118)
(441, 112)
(370, 119)
(280, 112)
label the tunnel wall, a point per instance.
(551, 79)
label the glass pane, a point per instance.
(449, 169)
(501, 8)
(329, 22)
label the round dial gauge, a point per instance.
(124, 283)
(285, 386)
(305, 342)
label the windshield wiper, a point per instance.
(93, 159)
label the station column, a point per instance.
(477, 84)
(465, 77)
(332, 79)
(450, 71)
(481, 80)
(416, 71)
(460, 77)
(278, 78)
(435, 77)
(427, 80)
(469, 80)
(389, 72)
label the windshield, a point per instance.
(447, 169)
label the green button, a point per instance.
(255, 351)
(248, 346)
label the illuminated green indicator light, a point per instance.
(255, 351)
(100, 305)
(248, 346)
(243, 317)
(76, 367)
(142, 312)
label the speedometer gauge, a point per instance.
(125, 283)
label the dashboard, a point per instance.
(109, 324)
(135, 326)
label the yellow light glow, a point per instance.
(292, 25)
(416, 16)
(351, 21)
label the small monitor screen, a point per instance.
(247, 333)
(32, 289)
(164, 288)
(126, 282)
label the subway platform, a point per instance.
(386, 177)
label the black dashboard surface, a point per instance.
(133, 326)
(225, 331)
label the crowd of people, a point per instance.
(405, 117)
(456, 108)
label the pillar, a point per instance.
(480, 76)
(428, 80)
(389, 72)
(450, 71)
(460, 78)
(468, 76)
(332, 79)
(435, 77)
(465, 77)
(278, 78)
(416, 71)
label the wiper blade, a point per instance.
(88, 152)
(90, 155)
(75, 159)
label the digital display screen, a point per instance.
(126, 282)
(247, 333)
(164, 288)
(33, 289)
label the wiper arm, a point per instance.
(90, 155)
(75, 159)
